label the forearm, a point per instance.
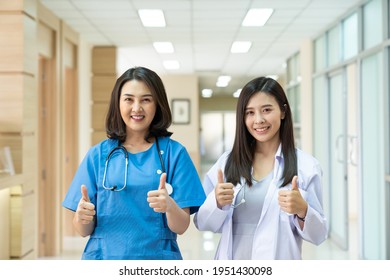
(82, 228)
(178, 219)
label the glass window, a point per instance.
(319, 54)
(294, 99)
(321, 133)
(372, 156)
(293, 70)
(334, 46)
(350, 36)
(372, 24)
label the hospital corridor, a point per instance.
(60, 61)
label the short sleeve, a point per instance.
(86, 174)
(183, 176)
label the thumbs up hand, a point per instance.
(159, 200)
(224, 193)
(291, 201)
(85, 210)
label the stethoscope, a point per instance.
(242, 200)
(121, 148)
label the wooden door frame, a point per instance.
(47, 158)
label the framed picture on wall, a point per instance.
(181, 111)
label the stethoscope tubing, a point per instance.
(125, 152)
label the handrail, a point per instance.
(8, 181)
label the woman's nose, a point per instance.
(259, 118)
(137, 106)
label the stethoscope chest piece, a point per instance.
(169, 188)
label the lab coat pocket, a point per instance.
(286, 219)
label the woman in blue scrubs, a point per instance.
(135, 191)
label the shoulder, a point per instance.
(103, 147)
(307, 163)
(304, 156)
(170, 144)
(223, 158)
(105, 143)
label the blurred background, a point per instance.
(59, 60)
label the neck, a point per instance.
(137, 143)
(268, 148)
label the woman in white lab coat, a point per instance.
(264, 196)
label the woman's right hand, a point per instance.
(224, 193)
(85, 212)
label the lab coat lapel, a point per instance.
(273, 188)
(228, 241)
(266, 235)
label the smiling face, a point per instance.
(137, 107)
(263, 118)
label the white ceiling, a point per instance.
(202, 32)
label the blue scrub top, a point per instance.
(126, 227)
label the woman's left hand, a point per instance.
(160, 200)
(291, 201)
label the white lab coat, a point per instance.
(278, 234)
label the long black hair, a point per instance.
(240, 159)
(116, 127)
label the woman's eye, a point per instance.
(267, 110)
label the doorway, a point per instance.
(47, 158)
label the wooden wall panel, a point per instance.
(30, 46)
(103, 80)
(11, 54)
(11, 100)
(98, 136)
(22, 225)
(14, 141)
(28, 6)
(4, 223)
(104, 60)
(29, 164)
(18, 107)
(45, 41)
(102, 87)
(19, 54)
(30, 104)
(99, 112)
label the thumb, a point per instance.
(84, 193)
(220, 176)
(294, 183)
(163, 179)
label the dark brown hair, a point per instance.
(240, 159)
(116, 127)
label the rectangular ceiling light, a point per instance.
(152, 18)
(171, 64)
(241, 47)
(163, 47)
(223, 81)
(257, 17)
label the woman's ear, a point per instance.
(284, 111)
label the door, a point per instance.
(217, 136)
(338, 184)
(48, 161)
